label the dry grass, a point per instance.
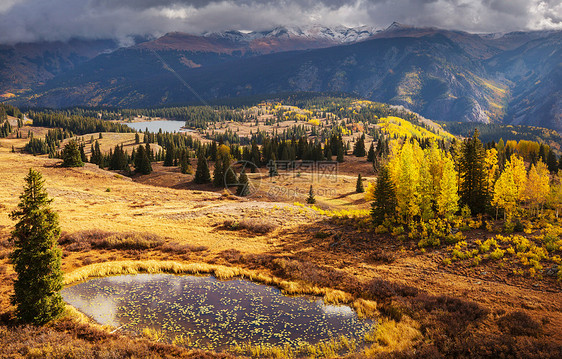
(330, 295)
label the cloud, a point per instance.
(33, 20)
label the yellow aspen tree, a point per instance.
(530, 194)
(404, 171)
(491, 167)
(519, 174)
(448, 198)
(505, 194)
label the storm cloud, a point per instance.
(38, 20)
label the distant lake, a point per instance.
(212, 313)
(155, 126)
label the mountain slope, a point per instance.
(443, 75)
(25, 65)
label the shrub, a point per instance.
(519, 324)
(497, 253)
(396, 231)
(84, 240)
(182, 248)
(381, 229)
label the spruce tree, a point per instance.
(83, 153)
(36, 256)
(142, 161)
(340, 154)
(359, 147)
(551, 161)
(185, 166)
(243, 188)
(473, 175)
(371, 153)
(202, 174)
(169, 159)
(229, 175)
(359, 186)
(385, 201)
(311, 198)
(218, 174)
(71, 156)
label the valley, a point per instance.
(431, 290)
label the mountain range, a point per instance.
(513, 78)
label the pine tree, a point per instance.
(36, 256)
(359, 147)
(202, 174)
(142, 161)
(96, 156)
(359, 185)
(340, 153)
(169, 159)
(551, 161)
(83, 153)
(311, 198)
(384, 204)
(218, 174)
(71, 155)
(243, 188)
(472, 174)
(371, 153)
(185, 166)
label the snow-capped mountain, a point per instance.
(336, 34)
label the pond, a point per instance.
(155, 126)
(212, 313)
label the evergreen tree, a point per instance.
(551, 161)
(359, 186)
(371, 153)
(169, 159)
(359, 147)
(83, 153)
(472, 173)
(36, 256)
(340, 154)
(185, 166)
(385, 202)
(202, 174)
(311, 198)
(71, 155)
(96, 156)
(243, 188)
(229, 175)
(218, 174)
(142, 161)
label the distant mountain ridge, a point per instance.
(444, 75)
(279, 39)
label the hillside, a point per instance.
(483, 290)
(443, 75)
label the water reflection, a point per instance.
(210, 312)
(155, 126)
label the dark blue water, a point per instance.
(212, 313)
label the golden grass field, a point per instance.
(268, 239)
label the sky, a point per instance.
(40, 20)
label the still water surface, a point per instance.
(155, 126)
(212, 313)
